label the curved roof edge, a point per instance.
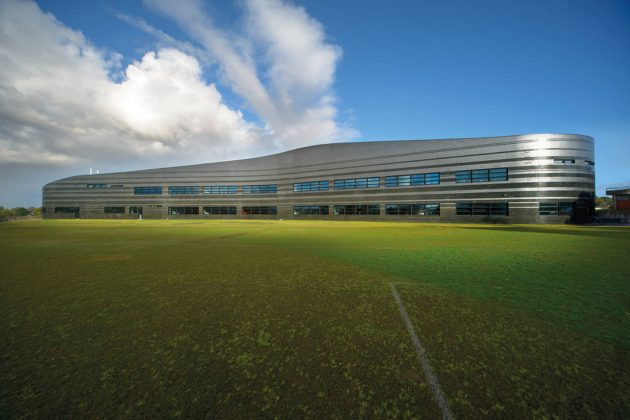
(370, 144)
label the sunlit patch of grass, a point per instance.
(294, 319)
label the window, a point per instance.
(463, 209)
(310, 186)
(114, 210)
(548, 208)
(589, 162)
(463, 176)
(553, 208)
(498, 174)
(482, 209)
(346, 184)
(565, 209)
(177, 211)
(220, 189)
(307, 210)
(97, 185)
(67, 210)
(214, 210)
(147, 190)
(412, 209)
(358, 210)
(260, 210)
(482, 175)
(183, 190)
(116, 186)
(135, 210)
(412, 180)
(564, 161)
(260, 189)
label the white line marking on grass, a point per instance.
(424, 359)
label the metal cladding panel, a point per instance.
(541, 167)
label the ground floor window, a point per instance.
(482, 209)
(214, 210)
(66, 210)
(260, 210)
(177, 211)
(114, 210)
(135, 210)
(306, 210)
(556, 208)
(412, 209)
(357, 210)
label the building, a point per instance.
(534, 178)
(621, 198)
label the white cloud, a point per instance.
(59, 103)
(67, 103)
(297, 102)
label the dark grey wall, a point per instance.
(533, 177)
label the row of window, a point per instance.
(310, 186)
(547, 208)
(357, 210)
(361, 209)
(482, 175)
(482, 209)
(104, 186)
(214, 189)
(260, 189)
(412, 180)
(555, 208)
(477, 175)
(353, 183)
(568, 161)
(309, 210)
(412, 209)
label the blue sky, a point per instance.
(281, 74)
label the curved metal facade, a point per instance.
(540, 170)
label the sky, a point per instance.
(125, 85)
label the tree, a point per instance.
(5, 212)
(21, 211)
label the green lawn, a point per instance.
(296, 319)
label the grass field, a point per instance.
(297, 319)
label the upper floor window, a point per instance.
(482, 175)
(183, 190)
(260, 189)
(589, 162)
(310, 186)
(345, 184)
(97, 185)
(412, 180)
(220, 189)
(147, 190)
(564, 160)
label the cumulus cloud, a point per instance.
(60, 103)
(67, 103)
